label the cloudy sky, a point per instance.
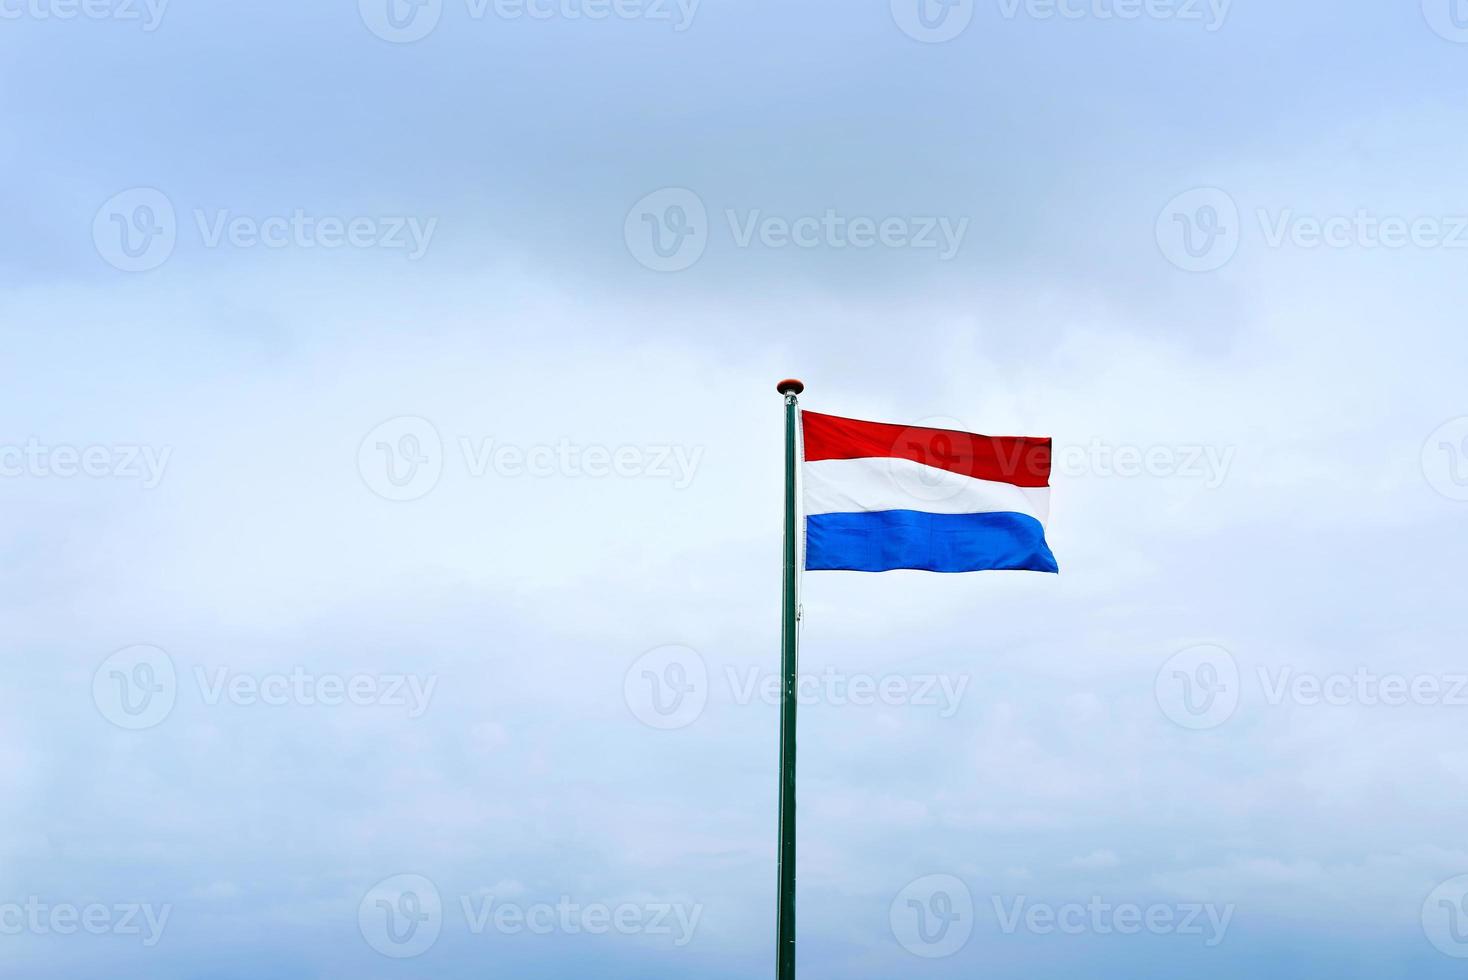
(390, 474)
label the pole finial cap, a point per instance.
(790, 386)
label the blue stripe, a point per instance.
(884, 540)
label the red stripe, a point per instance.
(1021, 460)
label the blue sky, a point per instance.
(369, 471)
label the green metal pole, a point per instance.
(785, 932)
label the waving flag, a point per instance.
(880, 497)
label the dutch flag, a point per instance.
(880, 497)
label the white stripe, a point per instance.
(845, 486)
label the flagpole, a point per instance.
(785, 907)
